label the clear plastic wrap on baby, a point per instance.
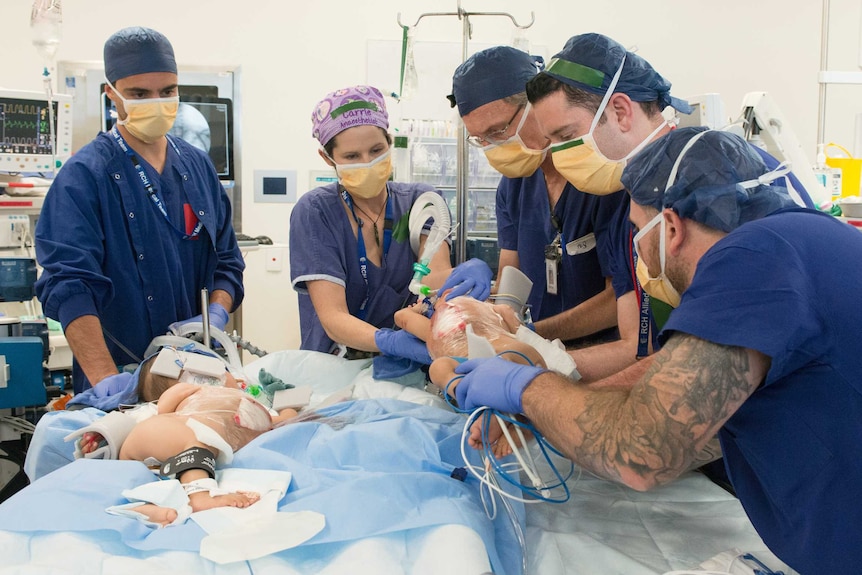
(231, 413)
(450, 320)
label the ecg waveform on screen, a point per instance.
(24, 127)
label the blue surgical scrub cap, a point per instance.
(707, 187)
(490, 75)
(137, 50)
(590, 61)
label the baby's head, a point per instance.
(152, 383)
(450, 320)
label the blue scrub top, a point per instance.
(324, 247)
(524, 226)
(788, 286)
(106, 250)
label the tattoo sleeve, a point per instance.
(650, 434)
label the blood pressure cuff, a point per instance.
(194, 458)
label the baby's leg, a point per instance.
(203, 500)
(163, 516)
(442, 372)
(161, 437)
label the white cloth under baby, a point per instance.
(553, 353)
(235, 534)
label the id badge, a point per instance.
(552, 267)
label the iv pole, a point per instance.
(463, 157)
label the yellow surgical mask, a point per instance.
(513, 158)
(657, 287)
(149, 119)
(582, 163)
(365, 180)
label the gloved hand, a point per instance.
(402, 344)
(218, 318)
(494, 382)
(473, 278)
(109, 393)
(388, 367)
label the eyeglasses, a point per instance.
(497, 137)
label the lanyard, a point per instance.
(148, 186)
(360, 243)
(643, 297)
(556, 221)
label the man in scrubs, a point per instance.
(762, 349)
(549, 230)
(135, 225)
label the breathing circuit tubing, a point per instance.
(429, 205)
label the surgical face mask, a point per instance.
(365, 180)
(660, 287)
(657, 287)
(148, 119)
(582, 163)
(513, 158)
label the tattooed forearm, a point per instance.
(652, 433)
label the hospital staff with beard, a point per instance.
(762, 349)
(547, 228)
(350, 256)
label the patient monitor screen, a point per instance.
(24, 126)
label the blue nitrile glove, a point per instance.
(402, 344)
(388, 367)
(108, 394)
(472, 278)
(494, 382)
(218, 318)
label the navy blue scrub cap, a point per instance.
(137, 50)
(707, 186)
(590, 61)
(490, 75)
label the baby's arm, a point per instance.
(410, 319)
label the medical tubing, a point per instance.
(501, 469)
(221, 337)
(429, 205)
(473, 469)
(448, 398)
(247, 345)
(542, 490)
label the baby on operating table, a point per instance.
(198, 422)
(446, 335)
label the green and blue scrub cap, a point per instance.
(590, 61)
(492, 74)
(709, 176)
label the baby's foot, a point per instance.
(163, 516)
(499, 443)
(203, 500)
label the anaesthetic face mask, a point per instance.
(582, 163)
(513, 158)
(148, 119)
(365, 180)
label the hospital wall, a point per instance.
(291, 53)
